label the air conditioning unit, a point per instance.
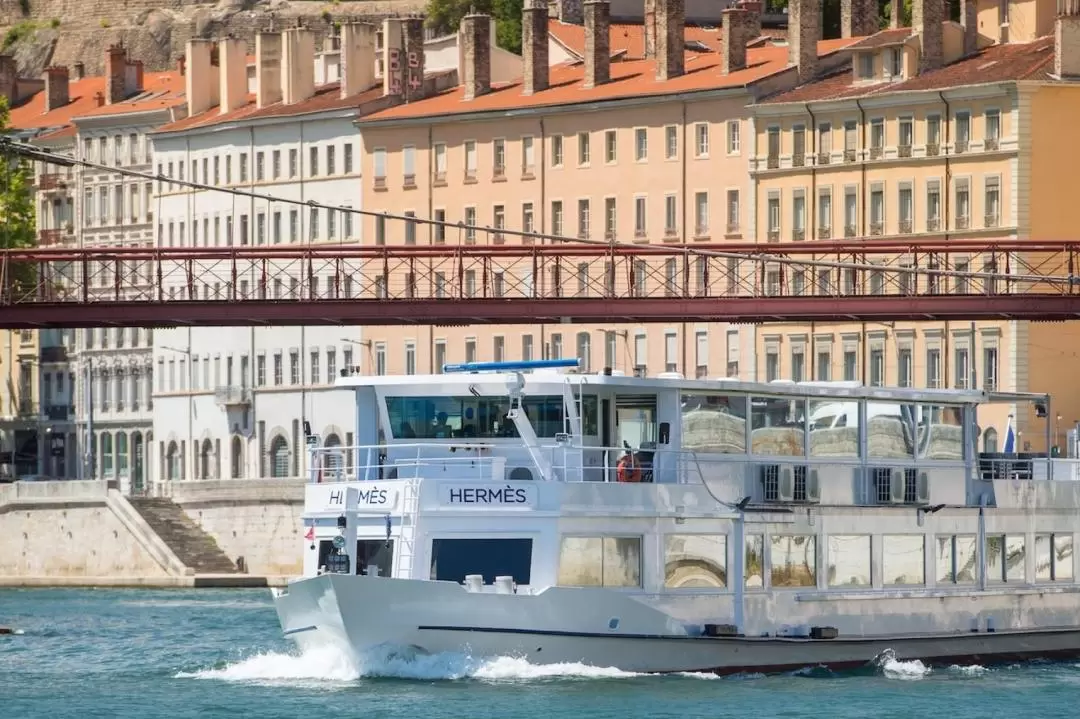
(786, 486)
(896, 485)
(922, 488)
(813, 486)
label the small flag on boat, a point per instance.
(310, 532)
(1010, 437)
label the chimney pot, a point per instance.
(597, 42)
(115, 74)
(736, 27)
(859, 18)
(1067, 39)
(57, 93)
(970, 21)
(570, 12)
(267, 68)
(804, 32)
(476, 55)
(357, 66)
(926, 19)
(534, 45)
(670, 38)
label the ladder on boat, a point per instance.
(573, 456)
(405, 548)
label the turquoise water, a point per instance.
(207, 653)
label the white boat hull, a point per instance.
(596, 627)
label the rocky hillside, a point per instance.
(59, 32)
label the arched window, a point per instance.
(990, 440)
(106, 455)
(121, 453)
(334, 459)
(584, 350)
(237, 458)
(206, 460)
(172, 461)
(279, 458)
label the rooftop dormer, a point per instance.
(888, 56)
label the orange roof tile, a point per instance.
(630, 37)
(326, 97)
(997, 63)
(31, 115)
(636, 78)
(893, 36)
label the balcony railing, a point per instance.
(905, 227)
(960, 147)
(58, 412)
(798, 235)
(933, 149)
(962, 223)
(877, 228)
(824, 158)
(933, 224)
(798, 159)
(824, 233)
(48, 238)
(876, 153)
(849, 230)
(849, 154)
(991, 220)
(904, 150)
(772, 162)
(52, 181)
(774, 235)
(233, 396)
(990, 144)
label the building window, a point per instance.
(498, 157)
(701, 140)
(611, 146)
(583, 219)
(556, 151)
(641, 144)
(583, 148)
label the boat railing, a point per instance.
(405, 461)
(1026, 465)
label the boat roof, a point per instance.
(547, 381)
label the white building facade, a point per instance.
(232, 403)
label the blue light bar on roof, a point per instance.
(510, 366)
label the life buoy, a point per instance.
(627, 469)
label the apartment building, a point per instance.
(941, 131)
(234, 402)
(648, 151)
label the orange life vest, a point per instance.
(627, 469)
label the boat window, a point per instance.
(1053, 557)
(454, 559)
(834, 428)
(903, 560)
(377, 552)
(600, 562)
(714, 423)
(332, 559)
(754, 567)
(481, 417)
(957, 562)
(1005, 558)
(849, 560)
(889, 430)
(635, 417)
(694, 561)
(940, 432)
(793, 561)
(778, 428)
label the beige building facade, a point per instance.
(649, 151)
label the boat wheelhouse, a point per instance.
(505, 500)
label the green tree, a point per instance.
(445, 17)
(17, 226)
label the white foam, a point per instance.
(973, 670)
(329, 665)
(893, 668)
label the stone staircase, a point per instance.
(192, 546)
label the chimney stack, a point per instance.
(534, 46)
(597, 42)
(859, 18)
(99, 98)
(232, 54)
(79, 71)
(267, 68)
(56, 87)
(201, 79)
(670, 38)
(969, 20)
(736, 27)
(8, 77)
(926, 19)
(357, 65)
(650, 29)
(1067, 39)
(475, 42)
(297, 65)
(181, 65)
(413, 66)
(894, 14)
(804, 32)
(393, 57)
(754, 8)
(115, 74)
(570, 11)
(133, 78)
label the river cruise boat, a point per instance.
(662, 524)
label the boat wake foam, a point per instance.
(893, 668)
(330, 665)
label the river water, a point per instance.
(218, 653)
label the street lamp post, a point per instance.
(191, 451)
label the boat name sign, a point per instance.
(374, 497)
(502, 496)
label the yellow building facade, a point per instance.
(886, 152)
